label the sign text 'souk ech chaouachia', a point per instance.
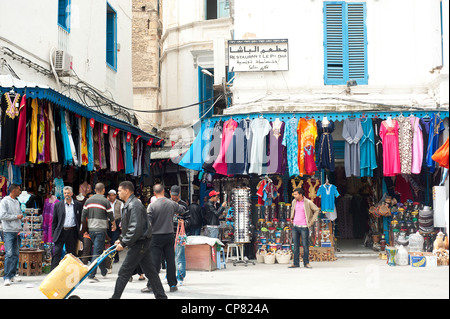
(258, 55)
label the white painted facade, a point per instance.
(30, 29)
(188, 42)
(404, 46)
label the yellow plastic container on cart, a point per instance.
(60, 281)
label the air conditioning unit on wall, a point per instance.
(62, 62)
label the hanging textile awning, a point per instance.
(33, 90)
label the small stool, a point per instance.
(236, 249)
(30, 262)
(221, 259)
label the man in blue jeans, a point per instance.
(11, 217)
(97, 210)
(304, 213)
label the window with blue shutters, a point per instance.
(64, 14)
(345, 42)
(205, 92)
(111, 37)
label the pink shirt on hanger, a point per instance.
(220, 165)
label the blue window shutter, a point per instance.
(345, 43)
(205, 92)
(334, 43)
(111, 37)
(357, 43)
(64, 14)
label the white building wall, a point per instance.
(403, 47)
(187, 43)
(30, 28)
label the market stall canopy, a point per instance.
(33, 90)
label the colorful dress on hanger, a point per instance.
(260, 128)
(21, 141)
(129, 169)
(391, 154)
(310, 164)
(34, 131)
(328, 193)
(425, 123)
(84, 144)
(325, 153)
(41, 134)
(220, 164)
(307, 134)
(68, 159)
(277, 151)
(47, 155)
(417, 145)
(352, 132)
(237, 156)
(213, 148)
(10, 123)
(112, 150)
(367, 149)
(405, 140)
(378, 172)
(290, 141)
(47, 216)
(90, 146)
(436, 128)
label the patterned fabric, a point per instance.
(41, 135)
(405, 144)
(290, 140)
(307, 134)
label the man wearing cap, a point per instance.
(212, 214)
(116, 206)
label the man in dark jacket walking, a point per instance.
(212, 214)
(136, 236)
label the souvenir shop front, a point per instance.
(49, 141)
(348, 164)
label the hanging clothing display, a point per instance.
(214, 147)
(277, 159)
(310, 164)
(113, 151)
(325, 153)
(238, 153)
(290, 141)
(307, 134)
(367, 149)
(417, 145)
(405, 139)
(41, 134)
(68, 159)
(328, 193)
(220, 165)
(84, 143)
(34, 131)
(436, 128)
(378, 172)
(129, 169)
(21, 141)
(391, 155)
(260, 129)
(10, 123)
(352, 132)
(47, 218)
(441, 156)
(425, 123)
(90, 146)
